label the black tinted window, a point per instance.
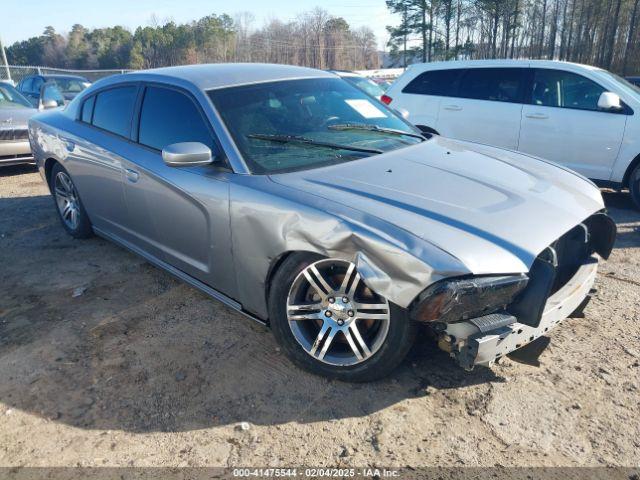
(495, 84)
(87, 109)
(555, 88)
(37, 84)
(435, 82)
(25, 86)
(168, 116)
(113, 110)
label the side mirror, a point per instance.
(50, 96)
(47, 104)
(609, 101)
(187, 154)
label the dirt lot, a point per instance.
(106, 360)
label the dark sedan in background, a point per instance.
(69, 86)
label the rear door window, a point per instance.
(493, 84)
(168, 116)
(37, 84)
(441, 83)
(26, 84)
(113, 109)
(556, 88)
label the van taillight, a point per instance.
(386, 99)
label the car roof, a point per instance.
(501, 63)
(55, 75)
(219, 75)
(60, 75)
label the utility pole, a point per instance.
(404, 28)
(4, 60)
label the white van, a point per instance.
(583, 117)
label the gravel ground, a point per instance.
(107, 360)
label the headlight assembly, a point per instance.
(460, 299)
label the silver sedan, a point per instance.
(300, 201)
(15, 111)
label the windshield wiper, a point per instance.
(374, 128)
(309, 141)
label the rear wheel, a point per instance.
(72, 214)
(634, 186)
(330, 323)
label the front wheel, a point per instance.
(634, 186)
(330, 323)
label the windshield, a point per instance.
(70, 85)
(291, 125)
(11, 98)
(625, 83)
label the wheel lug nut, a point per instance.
(345, 299)
(340, 322)
(331, 299)
(351, 313)
(327, 313)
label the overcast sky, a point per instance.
(21, 20)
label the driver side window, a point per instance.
(556, 88)
(168, 116)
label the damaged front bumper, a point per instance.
(482, 340)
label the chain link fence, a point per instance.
(15, 73)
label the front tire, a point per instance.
(330, 323)
(634, 186)
(70, 210)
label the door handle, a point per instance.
(132, 175)
(453, 108)
(537, 116)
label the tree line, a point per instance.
(604, 33)
(315, 38)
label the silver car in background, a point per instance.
(293, 197)
(15, 111)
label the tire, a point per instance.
(634, 186)
(387, 340)
(68, 204)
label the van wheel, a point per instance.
(634, 186)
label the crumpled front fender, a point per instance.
(392, 262)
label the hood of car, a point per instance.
(15, 117)
(492, 209)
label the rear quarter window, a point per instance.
(441, 83)
(87, 109)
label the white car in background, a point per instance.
(583, 117)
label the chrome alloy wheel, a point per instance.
(67, 200)
(334, 316)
